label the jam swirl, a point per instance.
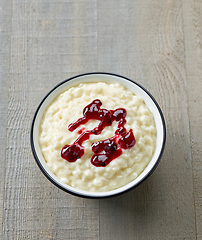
(104, 151)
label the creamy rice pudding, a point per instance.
(97, 136)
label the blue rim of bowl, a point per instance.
(80, 194)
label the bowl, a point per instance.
(108, 78)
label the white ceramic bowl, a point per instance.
(108, 78)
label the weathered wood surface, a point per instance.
(158, 44)
(192, 16)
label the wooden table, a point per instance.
(157, 43)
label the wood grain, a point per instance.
(193, 50)
(145, 41)
(156, 43)
(45, 49)
(5, 33)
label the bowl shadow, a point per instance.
(130, 213)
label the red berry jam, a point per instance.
(104, 151)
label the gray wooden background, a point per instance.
(158, 43)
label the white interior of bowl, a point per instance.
(109, 79)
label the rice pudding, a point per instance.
(124, 163)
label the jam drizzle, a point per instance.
(104, 151)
